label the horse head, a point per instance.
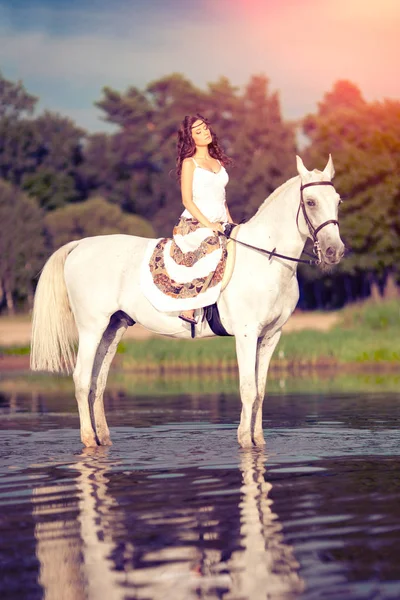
(319, 204)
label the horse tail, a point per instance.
(53, 324)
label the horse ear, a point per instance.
(329, 170)
(301, 169)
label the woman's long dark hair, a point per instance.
(186, 146)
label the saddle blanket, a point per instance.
(188, 271)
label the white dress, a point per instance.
(186, 272)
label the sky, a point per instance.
(66, 52)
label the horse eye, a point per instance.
(310, 203)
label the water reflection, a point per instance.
(70, 530)
(105, 534)
(173, 509)
(265, 563)
(305, 382)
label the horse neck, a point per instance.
(275, 223)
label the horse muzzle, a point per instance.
(333, 254)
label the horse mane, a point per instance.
(273, 195)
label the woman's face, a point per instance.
(201, 133)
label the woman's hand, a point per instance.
(217, 227)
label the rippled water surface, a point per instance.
(175, 510)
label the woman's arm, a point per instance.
(230, 220)
(187, 197)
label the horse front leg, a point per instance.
(246, 352)
(265, 350)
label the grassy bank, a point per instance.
(367, 336)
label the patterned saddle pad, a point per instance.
(188, 271)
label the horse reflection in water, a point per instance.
(73, 551)
(265, 566)
(93, 553)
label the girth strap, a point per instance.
(214, 320)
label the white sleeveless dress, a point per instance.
(186, 272)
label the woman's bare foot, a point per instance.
(188, 316)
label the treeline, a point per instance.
(59, 183)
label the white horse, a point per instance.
(93, 286)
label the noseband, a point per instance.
(314, 230)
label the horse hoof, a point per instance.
(245, 440)
(89, 442)
(259, 441)
(105, 441)
(103, 437)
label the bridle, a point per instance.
(313, 232)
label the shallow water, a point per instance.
(175, 510)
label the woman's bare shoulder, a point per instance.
(188, 165)
(188, 161)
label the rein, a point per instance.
(313, 232)
(272, 253)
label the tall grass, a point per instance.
(367, 334)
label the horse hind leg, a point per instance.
(95, 354)
(88, 345)
(107, 348)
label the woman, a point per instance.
(186, 272)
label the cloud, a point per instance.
(303, 47)
(81, 59)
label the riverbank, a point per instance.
(15, 331)
(361, 337)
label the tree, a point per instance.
(93, 217)
(15, 101)
(54, 179)
(364, 140)
(143, 151)
(263, 148)
(21, 243)
(41, 155)
(17, 140)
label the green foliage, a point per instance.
(42, 154)
(50, 188)
(18, 149)
(370, 316)
(360, 338)
(16, 351)
(364, 140)
(21, 242)
(141, 171)
(366, 333)
(14, 100)
(338, 346)
(93, 217)
(53, 180)
(263, 148)
(177, 355)
(59, 165)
